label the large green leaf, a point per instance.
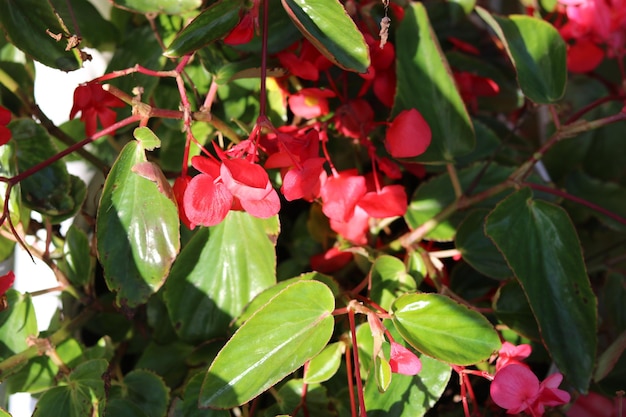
(137, 228)
(161, 6)
(144, 390)
(444, 329)
(294, 326)
(537, 52)
(82, 394)
(389, 279)
(218, 272)
(540, 245)
(425, 83)
(408, 396)
(99, 32)
(17, 324)
(213, 23)
(326, 25)
(511, 307)
(78, 264)
(25, 22)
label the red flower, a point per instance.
(5, 118)
(250, 183)
(310, 103)
(584, 56)
(341, 193)
(243, 32)
(6, 281)
(408, 135)
(510, 354)
(390, 201)
(517, 389)
(306, 181)
(472, 86)
(94, 103)
(306, 66)
(330, 261)
(403, 361)
(354, 119)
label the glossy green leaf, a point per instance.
(98, 33)
(537, 51)
(25, 22)
(389, 280)
(295, 326)
(326, 25)
(8, 168)
(50, 190)
(17, 324)
(137, 230)
(478, 250)
(326, 364)
(444, 329)
(213, 23)
(408, 396)
(433, 196)
(425, 83)
(149, 141)
(218, 272)
(540, 245)
(82, 394)
(511, 308)
(161, 6)
(78, 263)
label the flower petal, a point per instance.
(403, 361)
(205, 202)
(515, 388)
(408, 135)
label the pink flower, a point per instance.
(517, 389)
(310, 103)
(6, 281)
(509, 354)
(408, 135)
(403, 361)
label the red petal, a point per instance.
(408, 135)
(180, 185)
(514, 388)
(390, 202)
(242, 33)
(355, 229)
(305, 182)
(245, 180)
(266, 207)
(584, 56)
(205, 202)
(206, 165)
(403, 361)
(330, 261)
(5, 116)
(6, 281)
(340, 195)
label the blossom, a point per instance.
(517, 389)
(307, 65)
(310, 103)
(408, 135)
(510, 354)
(354, 119)
(94, 103)
(6, 281)
(243, 32)
(330, 261)
(5, 118)
(472, 86)
(403, 361)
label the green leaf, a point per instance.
(326, 25)
(408, 396)
(144, 390)
(478, 250)
(425, 83)
(161, 6)
(537, 52)
(25, 22)
(78, 262)
(149, 141)
(82, 394)
(98, 33)
(169, 360)
(212, 24)
(218, 272)
(382, 373)
(326, 364)
(17, 324)
(188, 406)
(512, 309)
(444, 329)
(4, 413)
(540, 245)
(289, 398)
(137, 230)
(294, 326)
(389, 280)
(433, 196)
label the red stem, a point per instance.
(263, 91)
(357, 368)
(350, 382)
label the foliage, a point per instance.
(319, 207)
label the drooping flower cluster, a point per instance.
(592, 27)
(5, 118)
(517, 389)
(95, 104)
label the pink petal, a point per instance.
(244, 179)
(515, 387)
(355, 228)
(264, 208)
(389, 202)
(340, 195)
(403, 361)
(304, 182)
(205, 202)
(330, 261)
(408, 135)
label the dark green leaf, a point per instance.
(290, 395)
(537, 51)
(17, 324)
(540, 245)
(188, 406)
(389, 280)
(213, 23)
(425, 83)
(137, 230)
(218, 272)
(326, 25)
(512, 308)
(161, 6)
(294, 326)
(444, 329)
(478, 250)
(146, 391)
(166, 359)
(94, 30)
(26, 21)
(79, 264)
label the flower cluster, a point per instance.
(94, 104)
(592, 25)
(5, 118)
(517, 389)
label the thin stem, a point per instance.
(357, 368)
(454, 178)
(264, 35)
(350, 382)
